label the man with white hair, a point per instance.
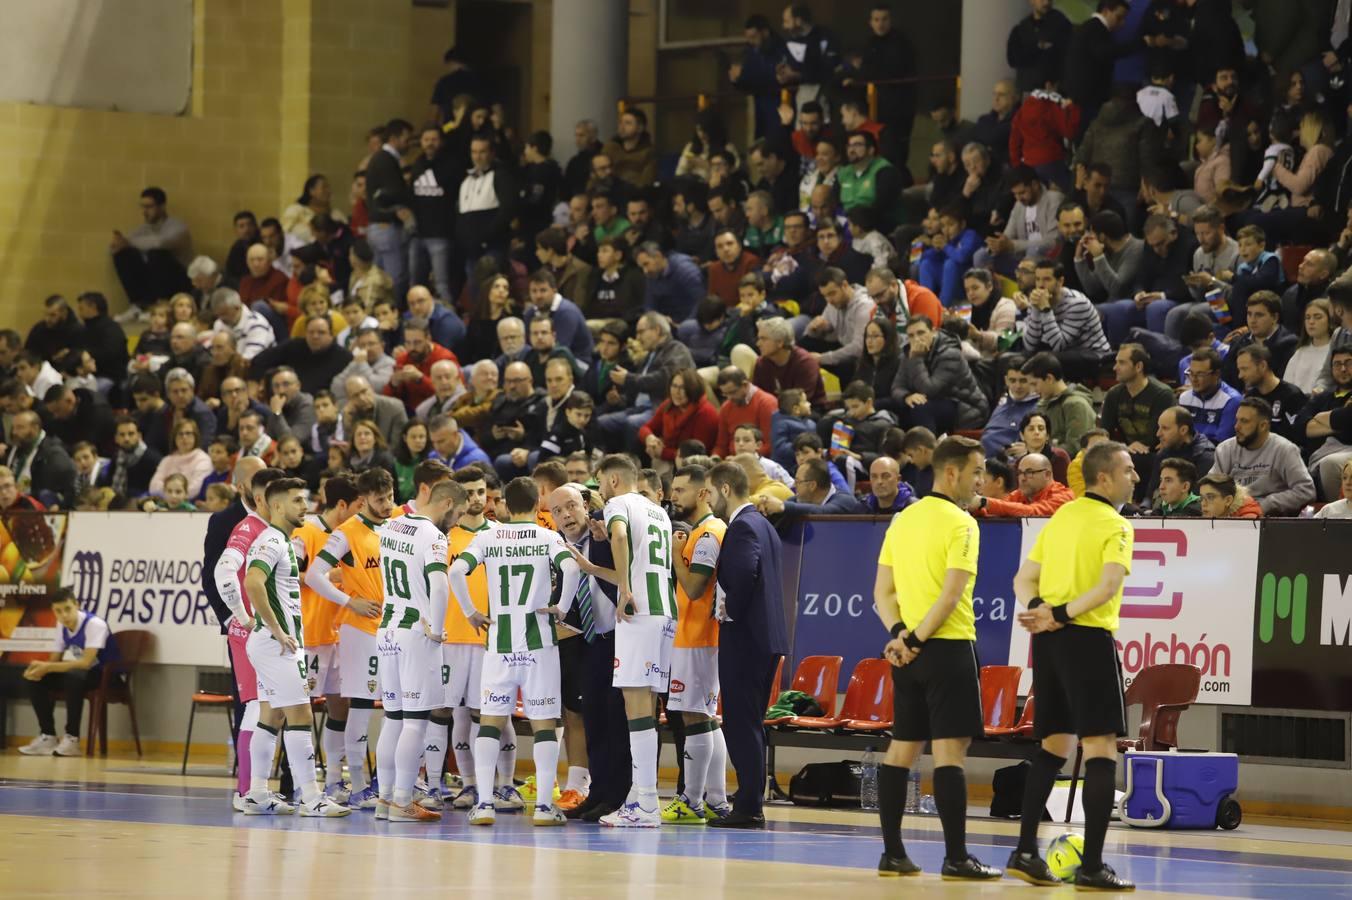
(253, 334)
(511, 341)
(447, 388)
(205, 276)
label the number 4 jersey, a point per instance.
(649, 553)
(519, 560)
(411, 549)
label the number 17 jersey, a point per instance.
(519, 560)
(650, 576)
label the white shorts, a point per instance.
(410, 670)
(465, 663)
(694, 680)
(322, 665)
(643, 652)
(282, 681)
(358, 664)
(535, 673)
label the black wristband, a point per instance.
(1061, 614)
(913, 642)
(1035, 602)
(897, 629)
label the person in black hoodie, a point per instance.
(434, 180)
(541, 181)
(58, 330)
(103, 338)
(387, 203)
(485, 207)
(1037, 45)
(573, 431)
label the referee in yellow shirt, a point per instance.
(1072, 586)
(923, 593)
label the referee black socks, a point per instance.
(1041, 779)
(950, 799)
(1100, 782)
(892, 782)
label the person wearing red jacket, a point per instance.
(1042, 129)
(685, 415)
(412, 378)
(1038, 493)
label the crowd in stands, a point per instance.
(1161, 262)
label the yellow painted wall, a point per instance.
(281, 88)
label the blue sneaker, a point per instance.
(365, 798)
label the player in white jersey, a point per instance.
(276, 649)
(520, 559)
(640, 541)
(413, 564)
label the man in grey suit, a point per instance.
(752, 637)
(364, 403)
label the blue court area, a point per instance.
(1263, 862)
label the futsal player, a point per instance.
(640, 539)
(923, 594)
(354, 549)
(320, 619)
(1072, 586)
(277, 650)
(520, 560)
(694, 656)
(413, 562)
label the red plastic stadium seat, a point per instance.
(868, 702)
(999, 697)
(774, 687)
(1022, 730)
(818, 676)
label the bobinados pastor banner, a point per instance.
(144, 571)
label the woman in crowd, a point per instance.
(369, 450)
(878, 363)
(1035, 437)
(1340, 509)
(291, 459)
(686, 414)
(1311, 360)
(992, 315)
(493, 304)
(187, 459)
(412, 450)
(1222, 498)
(710, 136)
(314, 300)
(316, 198)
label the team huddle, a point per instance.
(446, 616)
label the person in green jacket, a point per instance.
(1069, 407)
(868, 180)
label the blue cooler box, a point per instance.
(1173, 789)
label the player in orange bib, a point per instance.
(694, 660)
(319, 616)
(354, 550)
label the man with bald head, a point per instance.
(41, 465)
(443, 325)
(887, 492)
(516, 418)
(316, 357)
(1315, 272)
(364, 403)
(263, 289)
(1038, 493)
(451, 445)
(448, 386)
(603, 717)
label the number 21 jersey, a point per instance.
(649, 553)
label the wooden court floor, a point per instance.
(123, 828)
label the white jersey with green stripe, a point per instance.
(274, 554)
(519, 560)
(650, 576)
(411, 549)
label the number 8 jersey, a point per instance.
(519, 560)
(650, 576)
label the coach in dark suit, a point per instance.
(1088, 76)
(815, 495)
(752, 638)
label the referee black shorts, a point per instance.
(571, 662)
(1077, 683)
(938, 695)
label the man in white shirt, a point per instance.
(80, 649)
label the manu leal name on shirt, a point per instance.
(394, 545)
(516, 551)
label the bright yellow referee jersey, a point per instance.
(458, 629)
(1072, 549)
(924, 541)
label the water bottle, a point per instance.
(868, 780)
(913, 793)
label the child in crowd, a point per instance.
(328, 427)
(867, 239)
(575, 430)
(794, 418)
(221, 450)
(1271, 194)
(747, 439)
(1259, 269)
(808, 445)
(89, 466)
(219, 496)
(175, 497)
(154, 341)
(354, 313)
(387, 321)
(1075, 471)
(917, 450)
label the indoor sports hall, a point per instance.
(615, 448)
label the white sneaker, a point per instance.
(366, 798)
(42, 745)
(468, 798)
(483, 814)
(633, 815)
(508, 799)
(69, 746)
(382, 813)
(324, 808)
(338, 793)
(429, 799)
(266, 804)
(547, 815)
(237, 801)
